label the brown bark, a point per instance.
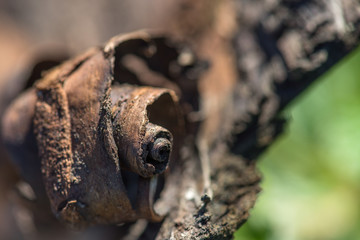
(261, 55)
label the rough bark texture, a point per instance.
(282, 47)
(261, 55)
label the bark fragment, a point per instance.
(88, 136)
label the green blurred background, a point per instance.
(311, 187)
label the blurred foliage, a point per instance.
(311, 175)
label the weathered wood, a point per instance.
(281, 48)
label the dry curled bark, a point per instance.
(100, 142)
(261, 55)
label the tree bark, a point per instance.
(281, 48)
(261, 54)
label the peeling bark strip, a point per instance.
(151, 145)
(90, 133)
